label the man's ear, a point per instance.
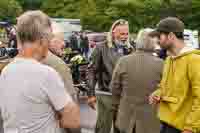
(171, 36)
(113, 31)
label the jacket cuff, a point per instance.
(189, 128)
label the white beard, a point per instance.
(119, 43)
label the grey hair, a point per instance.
(144, 41)
(33, 26)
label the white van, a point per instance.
(191, 38)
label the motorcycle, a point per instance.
(79, 69)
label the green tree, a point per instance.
(93, 15)
(9, 10)
(98, 15)
(139, 13)
(62, 8)
(30, 4)
(193, 18)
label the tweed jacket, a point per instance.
(135, 77)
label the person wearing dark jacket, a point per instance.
(104, 59)
(74, 42)
(134, 78)
(84, 44)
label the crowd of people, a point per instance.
(136, 89)
(79, 42)
(132, 86)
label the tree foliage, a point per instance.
(98, 15)
(62, 8)
(9, 10)
(30, 4)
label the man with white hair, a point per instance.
(134, 77)
(104, 59)
(36, 101)
(56, 47)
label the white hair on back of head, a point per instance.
(144, 41)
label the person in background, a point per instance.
(104, 58)
(178, 95)
(84, 44)
(74, 42)
(56, 50)
(12, 38)
(134, 78)
(78, 36)
(36, 100)
(161, 53)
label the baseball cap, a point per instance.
(167, 25)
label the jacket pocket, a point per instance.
(172, 102)
(170, 99)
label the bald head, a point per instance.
(57, 43)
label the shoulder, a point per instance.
(53, 60)
(46, 71)
(100, 47)
(158, 60)
(194, 60)
(58, 64)
(194, 56)
(158, 63)
(125, 59)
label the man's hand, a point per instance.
(154, 100)
(92, 102)
(187, 131)
(70, 116)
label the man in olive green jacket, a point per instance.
(179, 93)
(54, 60)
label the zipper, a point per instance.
(170, 66)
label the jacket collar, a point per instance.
(184, 50)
